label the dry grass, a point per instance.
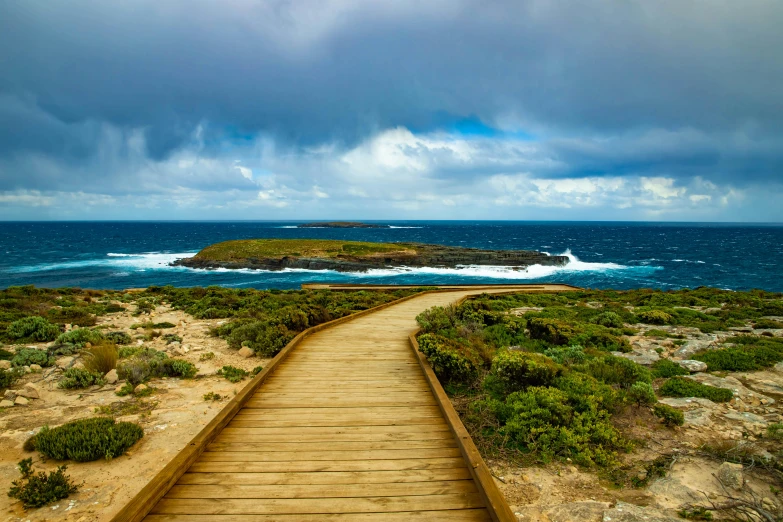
(101, 358)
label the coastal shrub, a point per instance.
(149, 325)
(28, 356)
(256, 370)
(608, 319)
(148, 363)
(80, 337)
(667, 368)
(450, 361)
(587, 393)
(642, 394)
(682, 387)
(88, 439)
(749, 354)
(619, 371)
(206, 356)
(541, 420)
(654, 317)
(767, 324)
(550, 330)
(145, 305)
(437, 319)
(80, 378)
(36, 490)
(101, 358)
(5, 355)
(260, 336)
(172, 338)
(75, 315)
(9, 377)
(34, 328)
(515, 370)
(669, 415)
(566, 355)
(212, 396)
(126, 389)
(119, 338)
(232, 373)
(775, 431)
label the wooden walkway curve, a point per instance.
(346, 426)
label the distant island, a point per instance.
(355, 256)
(340, 224)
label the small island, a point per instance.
(340, 224)
(355, 256)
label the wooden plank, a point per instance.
(431, 409)
(461, 515)
(327, 477)
(318, 505)
(298, 423)
(340, 430)
(288, 456)
(340, 438)
(344, 465)
(249, 445)
(395, 489)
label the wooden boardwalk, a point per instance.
(346, 427)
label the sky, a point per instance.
(665, 110)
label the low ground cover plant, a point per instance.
(667, 368)
(28, 356)
(682, 387)
(141, 364)
(232, 373)
(750, 353)
(88, 439)
(33, 328)
(75, 378)
(36, 490)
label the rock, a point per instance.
(140, 342)
(693, 366)
(623, 512)
(698, 411)
(78, 364)
(5, 403)
(140, 388)
(687, 350)
(778, 367)
(245, 352)
(731, 475)
(640, 356)
(29, 391)
(35, 368)
(747, 418)
(9, 395)
(88, 345)
(586, 511)
(65, 362)
(179, 352)
(26, 369)
(119, 388)
(21, 401)
(111, 376)
(5, 365)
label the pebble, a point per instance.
(21, 401)
(6, 404)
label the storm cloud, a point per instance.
(392, 109)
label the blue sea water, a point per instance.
(603, 255)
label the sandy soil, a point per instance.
(171, 416)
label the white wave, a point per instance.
(289, 226)
(688, 261)
(392, 226)
(123, 262)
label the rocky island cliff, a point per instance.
(355, 256)
(340, 224)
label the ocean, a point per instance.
(116, 255)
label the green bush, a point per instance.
(516, 370)
(566, 355)
(642, 394)
(654, 317)
(670, 416)
(147, 363)
(551, 330)
(610, 369)
(608, 319)
(775, 431)
(172, 338)
(450, 361)
(667, 368)
(682, 387)
(541, 420)
(35, 328)
(750, 354)
(80, 337)
(232, 373)
(41, 489)
(9, 377)
(80, 378)
(767, 324)
(120, 338)
(28, 356)
(437, 319)
(88, 439)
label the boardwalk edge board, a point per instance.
(146, 499)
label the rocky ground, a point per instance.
(174, 413)
(562, 493)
